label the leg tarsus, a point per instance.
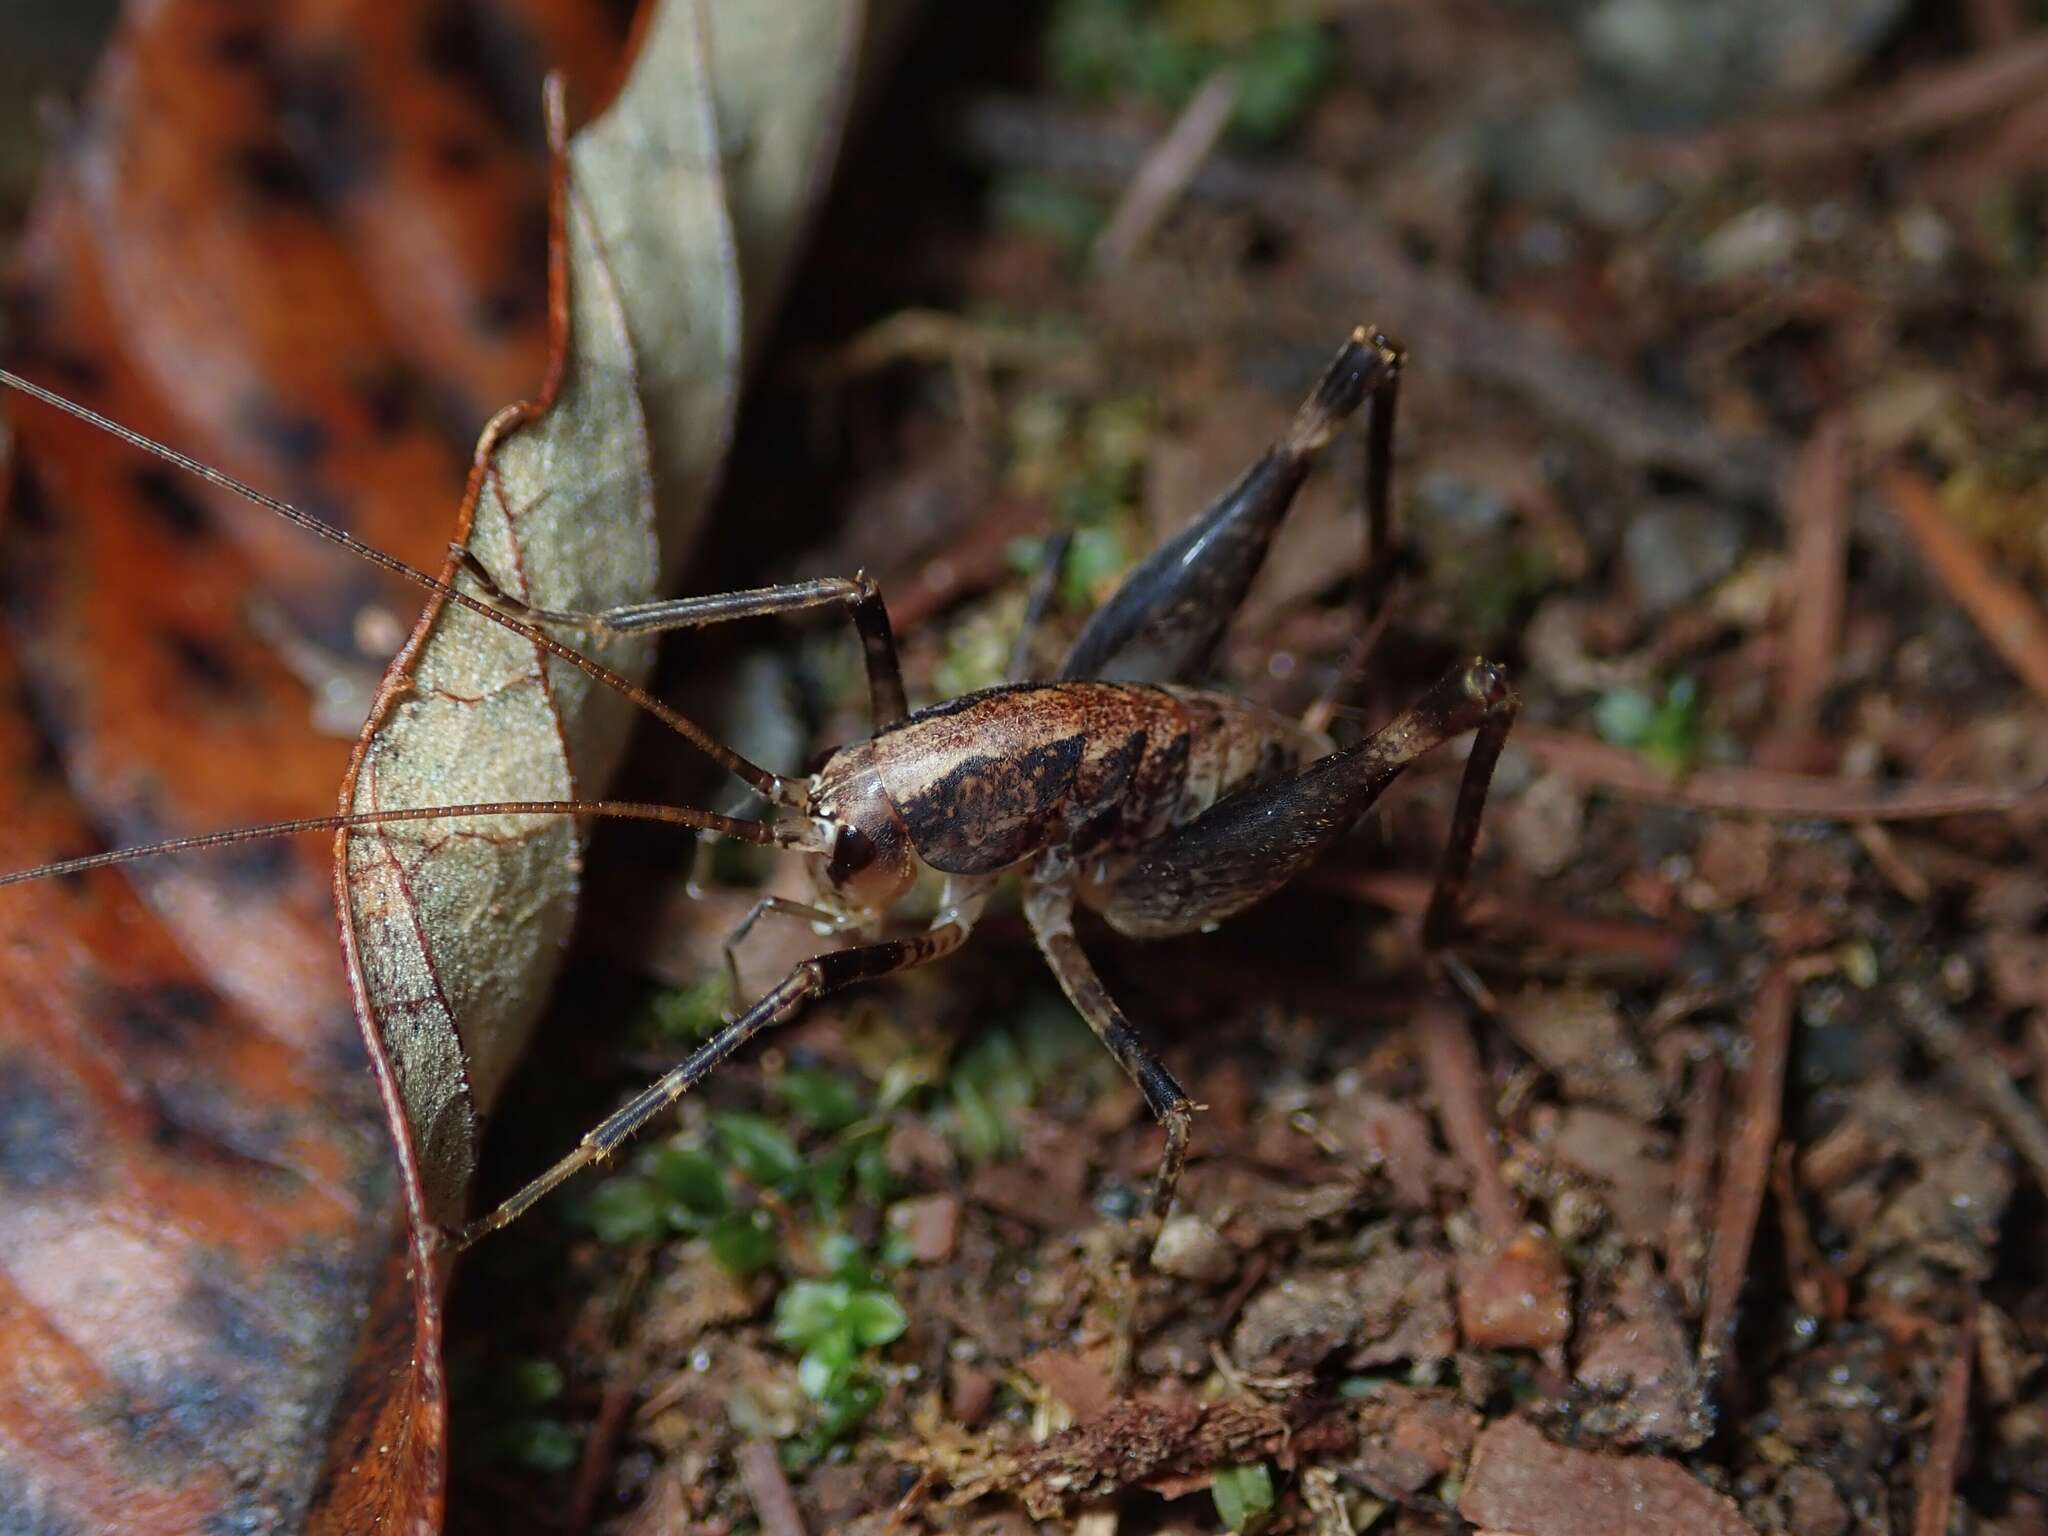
(1487, 682)
(1049, 910)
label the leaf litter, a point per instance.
(1648, 1250)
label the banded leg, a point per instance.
(814, 978)
(1050, 911)
(857, 594)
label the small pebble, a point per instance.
(1190, 1249)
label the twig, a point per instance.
(1921, 104)
(761, 1471)
(1998, 23)
(1934, 1486)
(1746, 1165)
(600, 1448)
(1654, 946)
(1765, 793)
(2009, 618)
(1884, 854)
(1450, 1062)
(1045, 585)
(1817, 507)
(1684, 1238)
(1437, 314)
(1981, 1072)
(1816, 1285)
(1168, 169)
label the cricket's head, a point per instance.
(867, 864)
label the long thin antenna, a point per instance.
(774, 786)
(617, 810)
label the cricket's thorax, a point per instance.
(988, 781)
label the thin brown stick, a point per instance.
(1926, 102)
(1766, 793)
(761, 1471)
(1998, 23)
(1980, 1071)
(1816, 1285)
(600, 1450)
(1652, 945)
(1166, 172)
(1685, 1238)
(1450, 1062)
(1817, 507)
(1746, 1165)
(1934, 1484)
(2010, 620)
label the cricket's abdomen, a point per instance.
(988, 781)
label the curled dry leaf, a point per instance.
(453, 932)
(292, 242)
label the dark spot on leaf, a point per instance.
(319, 106)
(45, 1144)
(195, 1119)
(45, 762)
(168, 495)
(250, 1515)
(188, 1407)
(460, 156)
(224, 1315)
(239, 44)
(503, 311)
(518, 296)
(168, 1015)
(274, 173)
(391, 396)
(261, 868)
(495, 61)
(28, 502)
(204, 665)
(300, 441)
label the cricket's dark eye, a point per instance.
(852, 851)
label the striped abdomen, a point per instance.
(987, 781)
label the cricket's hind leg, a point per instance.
(1243, 849)
(1164, 623)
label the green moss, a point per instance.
(1666, 730)
(1162, 51)
(1054, 210)
(1244, 1496)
